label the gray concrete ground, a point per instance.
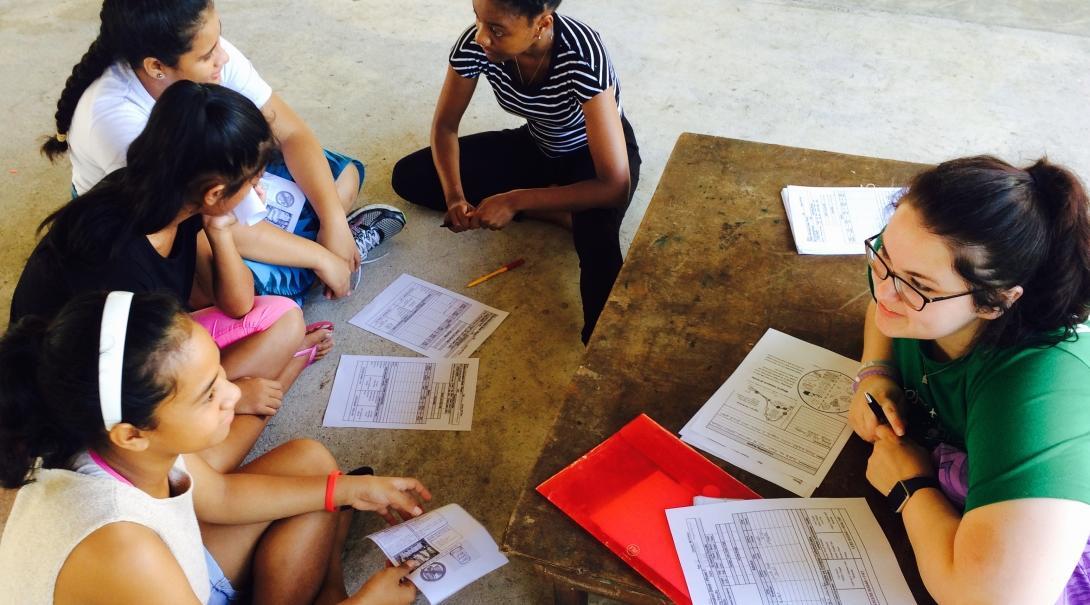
(919, 80)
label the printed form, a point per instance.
(836, 220)
(403, 393)
(430, 320)
(452, 549)
(782, 415)
(791, 551)
(284, 200)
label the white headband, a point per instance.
(111, 355)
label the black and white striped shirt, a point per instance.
(580, 69)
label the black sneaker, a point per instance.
(373, 225)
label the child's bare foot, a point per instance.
(260, 396)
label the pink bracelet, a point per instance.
(875, 371)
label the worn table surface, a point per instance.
(712, 267)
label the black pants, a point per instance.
(497, 162)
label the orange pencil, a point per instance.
(504, 269)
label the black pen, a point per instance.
(877, 409)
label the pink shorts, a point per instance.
(226, 330)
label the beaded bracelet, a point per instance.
(874, 371)
(330, 485)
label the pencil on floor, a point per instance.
(511, 265)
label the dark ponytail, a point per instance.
(1011, 227)
(198, 136)
(49, 404)
(131, 31)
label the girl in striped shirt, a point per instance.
(574, 162)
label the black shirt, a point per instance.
(49, 280)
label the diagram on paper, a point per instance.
(284, 201)
(823, 552)
(403, 393)
(450, 547)
(827, 391)
(781, 415)
(428, 319)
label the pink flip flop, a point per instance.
(312, 351)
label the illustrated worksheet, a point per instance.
(782, 415)
(430, 320)
(284, 200)
(403, 393)
(836, 220)
(451, 548)
(791, 551)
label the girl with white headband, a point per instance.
(164, 223)
(102, 410)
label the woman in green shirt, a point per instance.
(976, 350)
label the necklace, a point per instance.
(540, 62)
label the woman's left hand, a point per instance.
(384, 495)
(895, 459)
(497, 211)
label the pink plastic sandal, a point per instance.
(312, 351)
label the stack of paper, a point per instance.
(452, 550)
(782, 415)
(836, 220)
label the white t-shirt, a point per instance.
(115, 108)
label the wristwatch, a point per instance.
(898, 497)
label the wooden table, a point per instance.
(712, 267)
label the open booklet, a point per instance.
(790, 550)
(836, 220)
(451, 548)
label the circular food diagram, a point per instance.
(826, 391)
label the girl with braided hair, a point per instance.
(977, 349)
(142, 48)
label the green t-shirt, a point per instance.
(1021, 415)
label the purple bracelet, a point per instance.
(874, 371)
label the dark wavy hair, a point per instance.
(131, 31)
(531, 8)
(1013, 227)
(49, 402)
(198, 136)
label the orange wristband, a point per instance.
(330, 485)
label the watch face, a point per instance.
(897, 497)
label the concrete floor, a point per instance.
(919, 80)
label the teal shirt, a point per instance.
(1021, 415)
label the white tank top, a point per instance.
(52, 515)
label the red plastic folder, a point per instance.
(619, 492)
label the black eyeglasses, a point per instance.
(912, 297)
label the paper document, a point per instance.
(782, 415)
(430, 320)
(452, 549)
(836, 220)
(284, 201)
(791, 551)
(403, 393)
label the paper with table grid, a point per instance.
(430, 320)
(791, 551)
(403, 393)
